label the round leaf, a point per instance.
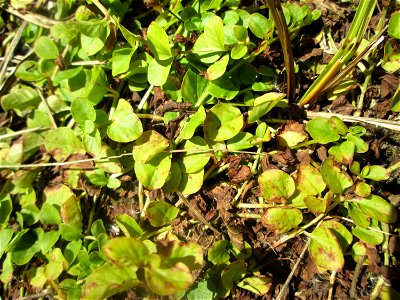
(169, 281)
(321, 131)
(148, 145)
(336, 179)
(309, 180)
(276, 185)
(191, 183)
(259, 25)
(160, 213)
(192, 161)
(325, 250)
(223, 122)
(281, 219)
(154, 173)
(64, 142)
(45, 48)
(126, 126)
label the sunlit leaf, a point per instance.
(223, 122)
(325, 250)
(276, 185)
(160, 213)
(281, 219)
(125, 126)
(154, 173)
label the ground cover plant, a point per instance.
(199, 149)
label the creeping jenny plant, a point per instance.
(147, 109)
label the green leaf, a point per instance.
(217, 69)
(321, 131)
(377, 173)
(49, 214)
(158, 71)
(361, 146)
(358, 216)
(281, 219)
(325, 250)
(154, 173)
(45, 48)
(232, 274)
(189, 253)
(393, 27)
(258, 285)
(148, 145)
(309, 180)
(98, 228)
(343, 153)
(192, 161)
(126, 126)
(71, 213)
(131, 38)
(29, 70)
(200, 290)
(174, 179)
(21, 97)
(55, 265)
(336, 179)
(5, 210)
(129, 226)
(109, 280)
(263, 105)
(223, 122)
(210, 44)
(194, 87)
(338, 125)
(241, 141)
(168, 281)
(260, 26)
(48, 240)
(25, 247)
(191, 183)
(362, 189)
(342, 234)
(187, 128)
(121, 59)
(66, 74)
(125, 251)
(230, 17)
(91, 45)
(63, 142)
(158, 42)
(360, 249)
(238, 51)
(218, 254)
(223, 87)
(5, 237)
(7, 269)
(371, 237)
(240, 33)
(276, 185)
(395, 102)
(57, 194)
(317, 205)
(82, 110)
(378, 208)
(161, 213)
